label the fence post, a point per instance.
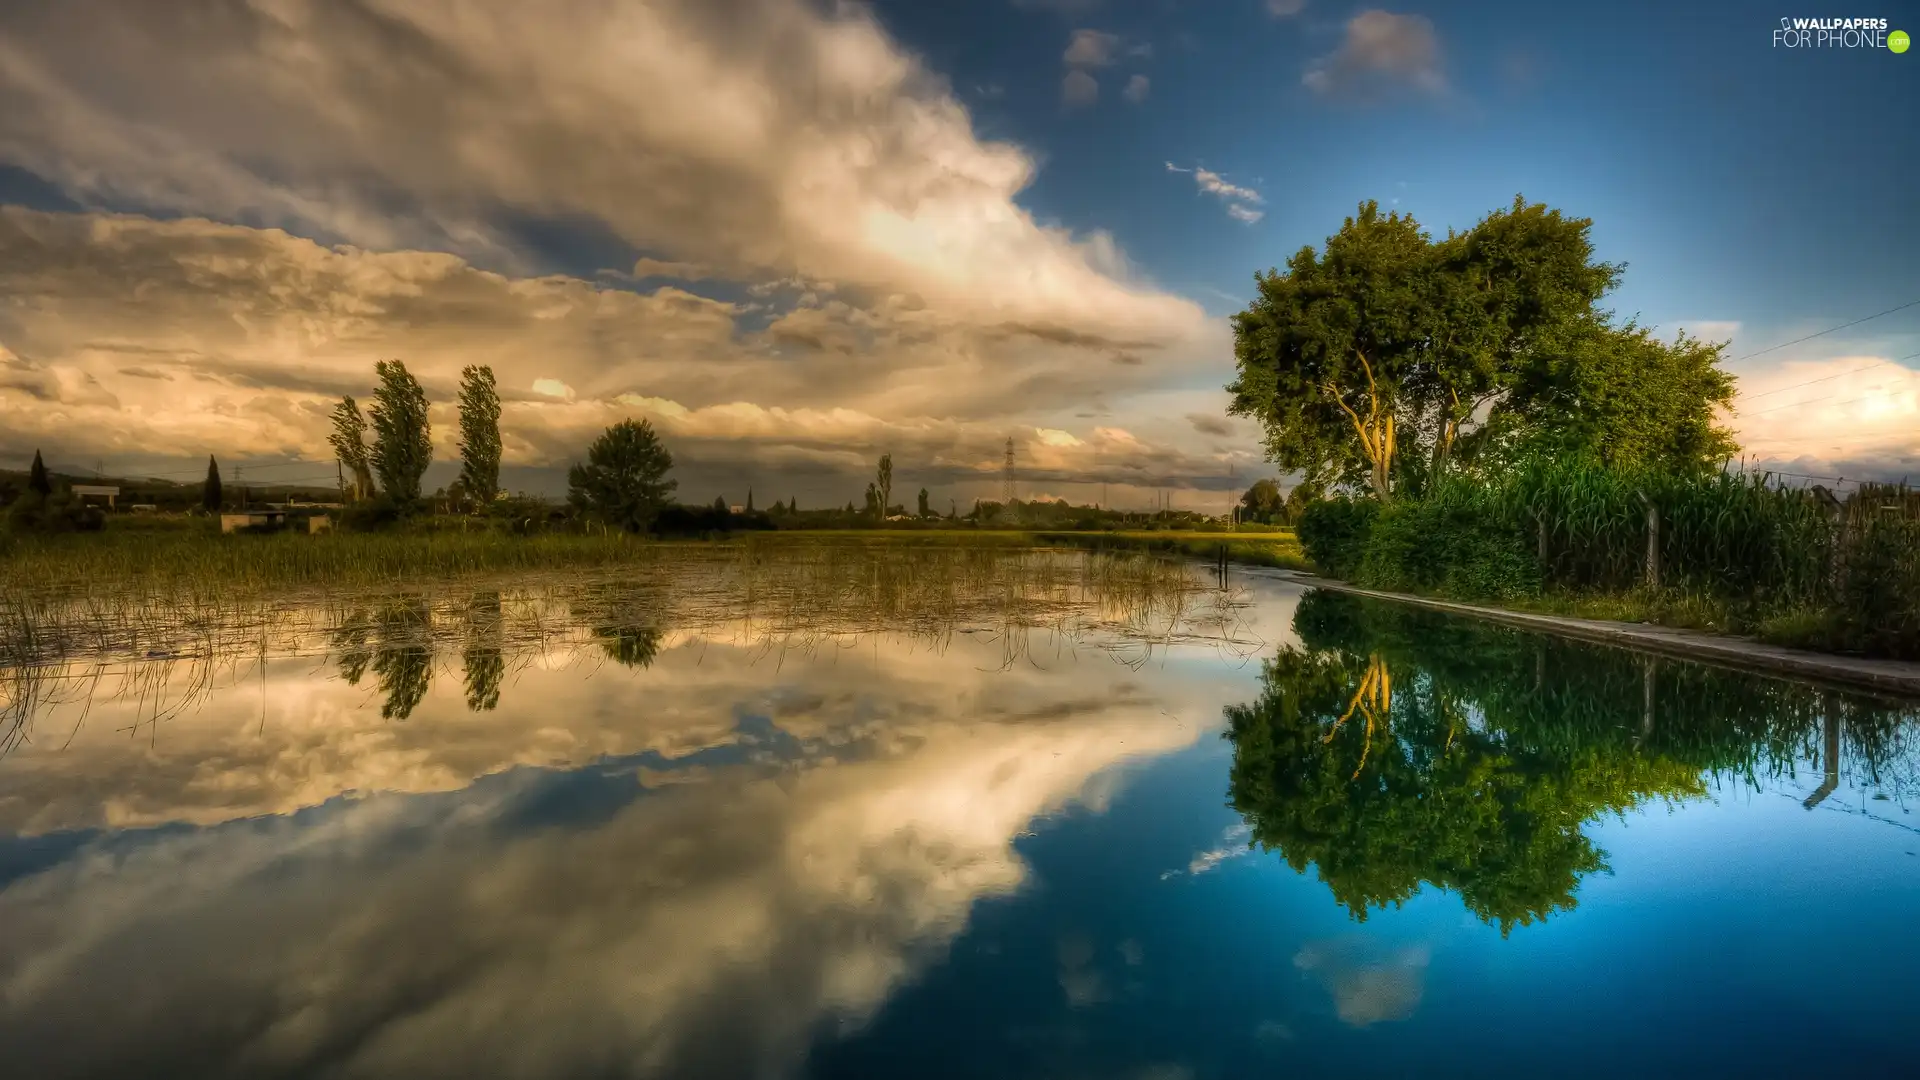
(1653, 541)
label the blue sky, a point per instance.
(796, 235)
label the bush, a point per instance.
(373, 515)
(1456, 541)
(60, 512)
(679, 520)
(1334, 533)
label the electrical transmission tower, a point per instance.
(1007, 494)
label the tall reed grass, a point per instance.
(1789, 563)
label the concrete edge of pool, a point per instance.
(1888, 676)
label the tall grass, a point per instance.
(1771, 559)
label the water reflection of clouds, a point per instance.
(301, 736)
(701, 928)
(1370, 983)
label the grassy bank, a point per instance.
(1280, 549)
(190, 554)
(1720, 552)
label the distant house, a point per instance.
(108, 492)
(736, 509)
(144, 508)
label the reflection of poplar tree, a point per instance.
(403, 662)
(481, 657)
(351, 651)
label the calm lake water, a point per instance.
(852, 811)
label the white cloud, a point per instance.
(1137, 89)
(1281, 9)
(1826, 417)
(779, 141)
(1380, 49)
(553, 388)
(1369, 985)
(1711, 329)
(491, 949)
(1090, 48)
(1236, 196)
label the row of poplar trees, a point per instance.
(402, 445)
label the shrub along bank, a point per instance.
(1737, 553)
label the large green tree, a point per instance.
(1262, 502)
(349, 441)
(624, 480)
(1623, 397)
(479, 435)
(1388, 343)
(402, 440)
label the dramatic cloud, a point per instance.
(1856, 416)
(1137, 89)
(799, 163)
(1235, 196)
(253, 333)
(756, 137)
(1380, 50)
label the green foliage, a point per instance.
(59, 512)
(1621, 397)
(1263, 503)
(349, 442)
(1333, 533)
(402, 443)
(372, 515)
(1452, 541)
(624, 481)
(479, 435)
(633, 646)
(1388, 343)
(482, 657)
(1766, 555)
(212, 494)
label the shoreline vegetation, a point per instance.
(190, 554)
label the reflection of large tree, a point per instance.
(481, 658)
(393, 641)
(1397, 747)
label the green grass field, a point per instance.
(190, 554)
